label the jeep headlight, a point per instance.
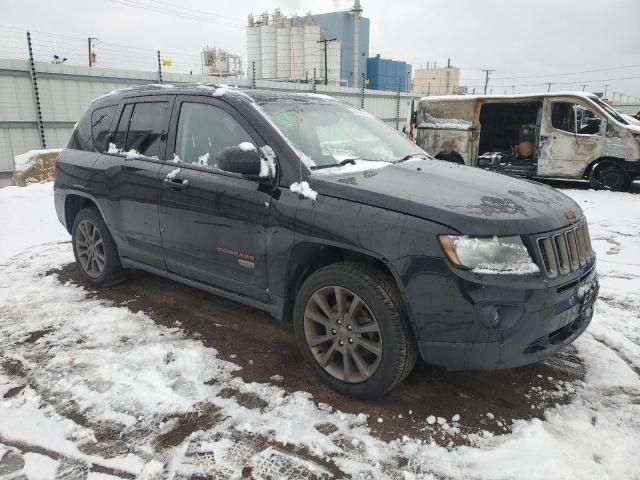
(489, 255)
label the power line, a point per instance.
(569, 73)
(176, 13)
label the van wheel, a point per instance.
(607, 177)
(351, 328)
(94, 249)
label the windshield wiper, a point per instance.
(352, 161)
(412, 155)
(342, 163)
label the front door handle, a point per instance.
(176, 183)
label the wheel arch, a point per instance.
(308, 257)
(619, 162)
(73, 203)
(450, 156)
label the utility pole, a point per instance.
(253, 74)
(89, 40)
(313, 89)
(159, 68)
(605, 91)
(583, 87)
(549, 86)
(486, 79)
(325, 41)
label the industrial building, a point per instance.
(385, 74)
(220, 63)
(352, 30)
(436, 81)
(292, 48)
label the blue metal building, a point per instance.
(384, 74)
(341, 25)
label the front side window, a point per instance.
(331, 133)
(203, 132)
(574, 118)
(101, 119)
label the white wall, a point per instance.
(66, 91)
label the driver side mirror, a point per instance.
(235, 159)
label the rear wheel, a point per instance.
(94, 249)
(607, 176)
(351, 328)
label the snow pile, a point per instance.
(172, 174)
(24, 161)
(357, 166)
(247, 147)
(303, 189)
(28, 218)
(113, 367)
(215, 91)
(267, 162)
(129, 155)
(203, 160)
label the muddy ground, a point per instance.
(264, 347)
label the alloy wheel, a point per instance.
(90, 248)
(343, 334)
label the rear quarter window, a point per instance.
(101, 120)
(81, 136)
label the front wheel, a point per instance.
(607, 177)
(351, 328)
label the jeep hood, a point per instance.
(469, 200)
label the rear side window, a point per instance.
(123, 127)
(81, 136)
(146, 128)
(101, 119)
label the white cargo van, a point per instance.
(560, 135)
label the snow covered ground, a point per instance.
(93, 390)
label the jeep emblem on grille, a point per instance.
(570, 215)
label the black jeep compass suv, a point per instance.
(322, 215)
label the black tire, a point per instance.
(608, 176)
(379, 293)
(112, 271)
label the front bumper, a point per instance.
(547, 320)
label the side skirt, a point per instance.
(272, 309)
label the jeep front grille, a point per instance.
(565, 251)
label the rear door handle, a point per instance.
(176, 183)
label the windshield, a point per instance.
(331, 133)
(611, 111)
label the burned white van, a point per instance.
(557, 135)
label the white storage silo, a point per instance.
(254, 51)
(269, 51)
(312, 51)
(334, 56)
(283, 40)
(297, 53)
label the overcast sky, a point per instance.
(516, 38)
